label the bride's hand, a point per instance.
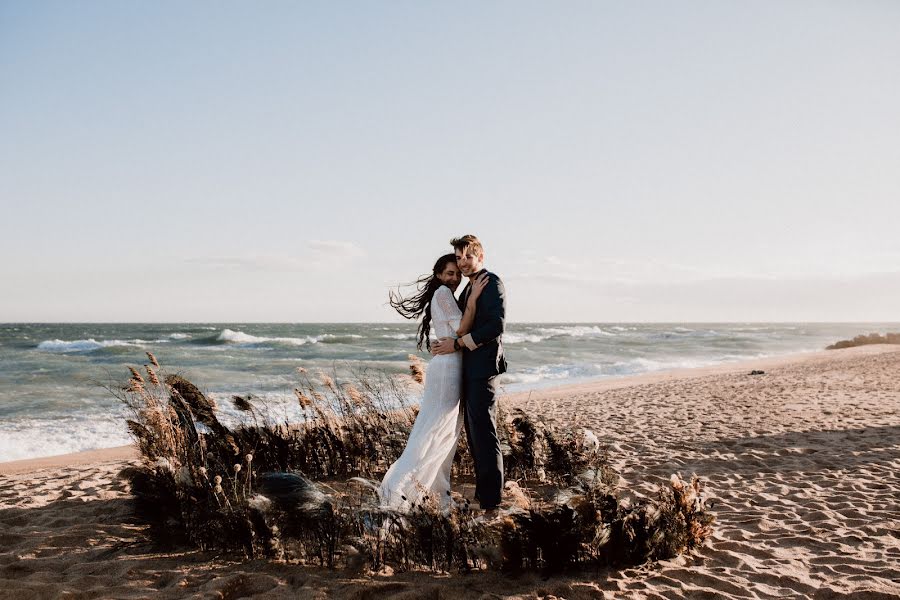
(477, 287)
(443, 345)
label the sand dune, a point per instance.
(804, 462)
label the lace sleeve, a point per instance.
(445, 314)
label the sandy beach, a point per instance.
(803, 462)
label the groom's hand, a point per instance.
(443, 346)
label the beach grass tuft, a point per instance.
(865, 340)
(306, 491)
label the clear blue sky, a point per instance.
(289, 161)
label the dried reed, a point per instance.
(260, 489)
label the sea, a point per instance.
(57, 381)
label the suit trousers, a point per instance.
(480, 404)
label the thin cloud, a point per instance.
(336, 249)
(605, 271)
(319, 254)
(253, 262)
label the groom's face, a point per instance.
(468, 262)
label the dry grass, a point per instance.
(864, 340)
(305, 491)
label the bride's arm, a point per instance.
(468, 318)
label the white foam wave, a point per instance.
(647, 365)
(87, 345)
(32, 438)
(179, 336)
(579, 331)
(339, 338)
(552, 373)
(399, 336)
(522, 338)
(239, 337)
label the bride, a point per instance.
(424, 467)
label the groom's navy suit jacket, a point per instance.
(484, 357)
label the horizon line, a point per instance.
(758, 322)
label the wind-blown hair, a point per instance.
(419, 303)
(468, 242)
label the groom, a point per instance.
(483, 361)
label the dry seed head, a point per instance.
(153, 360)
(417, 373)
(416, 368)
(327, 381)
(152, 375)
(237, 468)
(301, 370)
(218, 489)
(356, 397)
(249, 458)
(217, 479)
(304, 400)
(135, 374)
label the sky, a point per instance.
(292, 161)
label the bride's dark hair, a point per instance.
(419, 303)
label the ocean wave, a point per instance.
(688, 332)
(574, 372)
(32, 438)
(649, 365)
(545, 333)
(178, 336)
(399, 336)
(552, 373)
(335, 338)
(239, 337)
(523, 338)
(88, 345)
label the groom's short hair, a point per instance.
(468, 242)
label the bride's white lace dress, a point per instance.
(424, 466)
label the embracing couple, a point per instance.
(460, 382)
